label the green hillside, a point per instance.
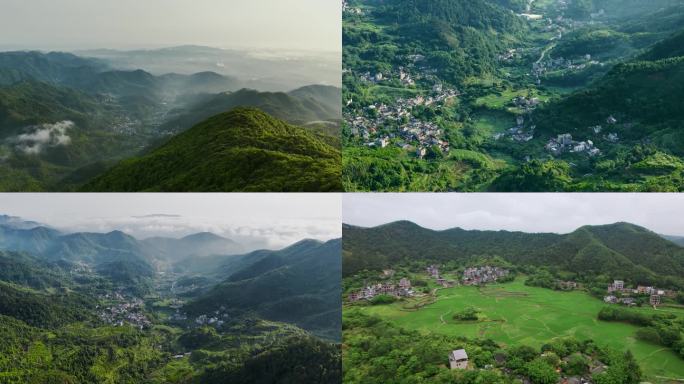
(622, 250)
(298, 107)
(30, 102)
(242, 150)
(299, 285)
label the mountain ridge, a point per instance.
(601, 249)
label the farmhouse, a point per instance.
(618, 285)
(567, 285)
(654, 300)
(433, 271)
(458, 359)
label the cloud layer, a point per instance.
(39, 137)
(256, 220)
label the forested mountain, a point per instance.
(241, 150)
(457, 38)
(624, 250)
(94, 77)
(301, 106)
(675, 239)
(299, 285)
(65, 119)
(191, 246)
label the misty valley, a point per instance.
(88, 120)
(108, 307)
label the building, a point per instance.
(458, 359)
(405, 283)
(618, 285)
(655, 300)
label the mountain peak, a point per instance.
(244, 149)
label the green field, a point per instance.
(518, 314)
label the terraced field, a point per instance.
(513, 314)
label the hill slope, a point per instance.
(624, 249)
(297, 107)
(299, 284)
(241, 150)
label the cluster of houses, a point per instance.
(124, 311)
(483, 275)
(618, 286)
(433, 272)
(564, 143)
(518, 133)
(567, 285)
(216, 319)
(411, 132)
(402, 289)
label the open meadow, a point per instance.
(513, 314)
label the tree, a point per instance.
(540, 372)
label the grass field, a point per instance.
(518, 314)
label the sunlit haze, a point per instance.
(313, 25)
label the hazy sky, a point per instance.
(84, 24)
(255, 220)
(552, 212)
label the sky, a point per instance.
(255, 220)
(551, 212)
(128, 24)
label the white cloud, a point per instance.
(39, 137)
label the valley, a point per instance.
(107, 307)
(507, 96)
(497, 293)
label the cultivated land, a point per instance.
(515, 314)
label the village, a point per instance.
(123, 309)
(618, 293)
(382, 124)
(471, 276)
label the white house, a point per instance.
(458, 359)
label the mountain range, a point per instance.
(241, 150)
(267, 283)
(298, 284)
(621, 250)
(67, 119)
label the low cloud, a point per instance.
(39, 137)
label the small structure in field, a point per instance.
(458, 359)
